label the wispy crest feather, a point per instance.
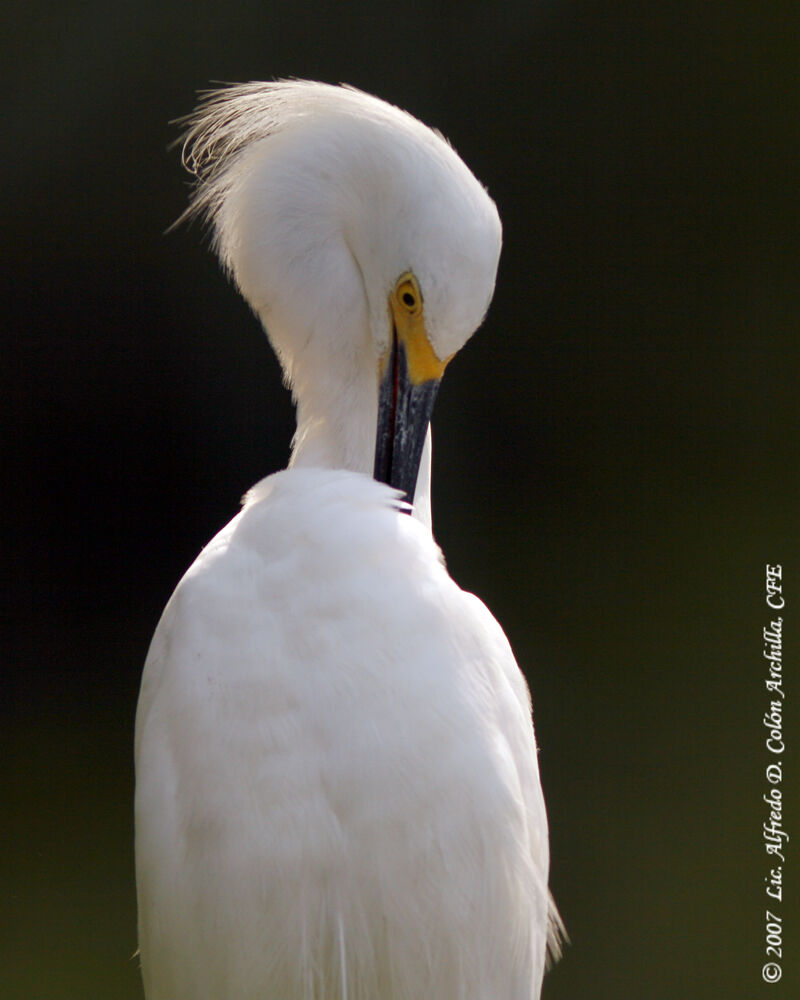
(229, 120)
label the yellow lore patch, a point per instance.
(405, 303)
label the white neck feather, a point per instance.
(337, 415)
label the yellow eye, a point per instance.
(408, 295)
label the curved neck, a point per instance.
(336, 427)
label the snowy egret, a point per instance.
(337, 789)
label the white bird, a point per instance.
(337, 789)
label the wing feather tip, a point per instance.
(557, 936)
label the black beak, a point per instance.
(404, 412)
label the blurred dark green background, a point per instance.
(616, 452)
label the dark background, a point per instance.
(616, 452)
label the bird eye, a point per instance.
(407, 292)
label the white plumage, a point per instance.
(337, 791)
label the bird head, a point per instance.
(364, 244)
